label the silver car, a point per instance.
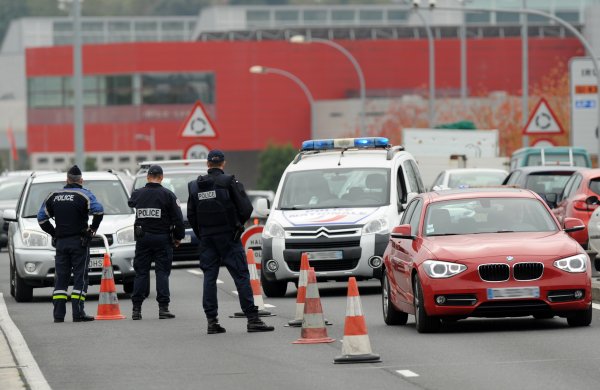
(30, 249)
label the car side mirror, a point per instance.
(572, 225)
(592, 200)
(402, 231)
(10, 215)
(262, 207)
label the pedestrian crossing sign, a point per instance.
(198, 124)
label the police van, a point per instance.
(337, 202)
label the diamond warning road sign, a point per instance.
(543, 121)
(198, 124)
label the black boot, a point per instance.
(83, 318)
(255, 324)
(214, 326)
(137, 312)
(163, 312)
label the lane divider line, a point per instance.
(34, 378)
(195, 272)
(407, 373)
(595, 306)
(269, 305)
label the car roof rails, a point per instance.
(147, 164)
(393, 150)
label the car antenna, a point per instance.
(341, 155)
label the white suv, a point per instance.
(30, 249)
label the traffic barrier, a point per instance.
(313, 323)
(301, 295)
(356, 347)
(256, 288)
(108, 303)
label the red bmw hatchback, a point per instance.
(484, 253)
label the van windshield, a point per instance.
(336, 188)
(557, 159)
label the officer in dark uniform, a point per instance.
(70, 208)
(217, 209)
(158, 226)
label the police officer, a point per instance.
(217, 209)
(158, 226)
(70, 208)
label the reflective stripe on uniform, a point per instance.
(60, 297)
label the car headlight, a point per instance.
(574, 264)
(442, 269)
(31, 238)
(273, 230)
(125, 236)
(379, 225)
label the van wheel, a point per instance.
(22, 291)
(273, 289)
(391, 316)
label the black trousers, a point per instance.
(217, 249)
(71, 257)
(157, 248)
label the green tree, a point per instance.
(272, 162)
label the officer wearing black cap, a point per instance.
(217, 209)
(70, 208)
(158, 226)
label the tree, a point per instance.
(272, 163)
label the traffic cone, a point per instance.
(301, 295)
(256, 288)
(313, 324)
(108, 303)
(356, 347)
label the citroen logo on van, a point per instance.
(509, 258)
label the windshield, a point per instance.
(336, 188)
(548, 183)
(475, 179)
(11, 189)
(110, 193)
(487, 215)
(176, 182)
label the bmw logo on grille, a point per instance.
(509, 258)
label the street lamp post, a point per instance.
(257, 69)
(359, 72)
(525, 70)
(563, 23)
(431, 66)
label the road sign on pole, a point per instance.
(198, 124)
(543, 121)
(584, 104)
(252, 239)
(196, 152)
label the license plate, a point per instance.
(96, 262)
(97, 251)
(186, 240)
(326, 255)
(513, 292)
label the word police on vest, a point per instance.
(207, 195)
(63, 198)
(148, 213)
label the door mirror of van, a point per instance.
(402, 231)
(262, 207)
(10, 215)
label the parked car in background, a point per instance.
(176, 176)
(10, 190)
(254, 196)
(547, 181)
(469, 177)
(579, 199)
(551, 156)
(496, 252)
(31, 254)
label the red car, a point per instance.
(579, 200)
(496, 252)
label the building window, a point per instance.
(180, 88)
(257, 18)
(45, 92)
(371, 16)
(339, 16)
(477, 17)
(395, 16)
(287, 16)
(315, 16)
(119, 90)
(507, 17)
(569, 16)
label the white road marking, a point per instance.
(195, 272)
(269, 306)
(596, 306)
(34, 378)
(407, 373)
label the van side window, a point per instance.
(415, 218)
(415, 168)
(576, 184)
(411, 177)
(438, 180)
(408, 213)
(401, 187)
(513, 178)
(568, 187)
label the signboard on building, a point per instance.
(584, 104)
(198, 124)
(543, 121)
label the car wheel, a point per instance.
(128, 287)
(424, 322)
(23, 291)
(391, 316)
(12, 279)
(580, 317)
(274, 289)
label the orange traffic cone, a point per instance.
(356, 347)
(313, 324)
(108, 303)
(301, 295)
(256, 288)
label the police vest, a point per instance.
(215, 209)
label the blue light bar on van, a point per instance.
(344, 143)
